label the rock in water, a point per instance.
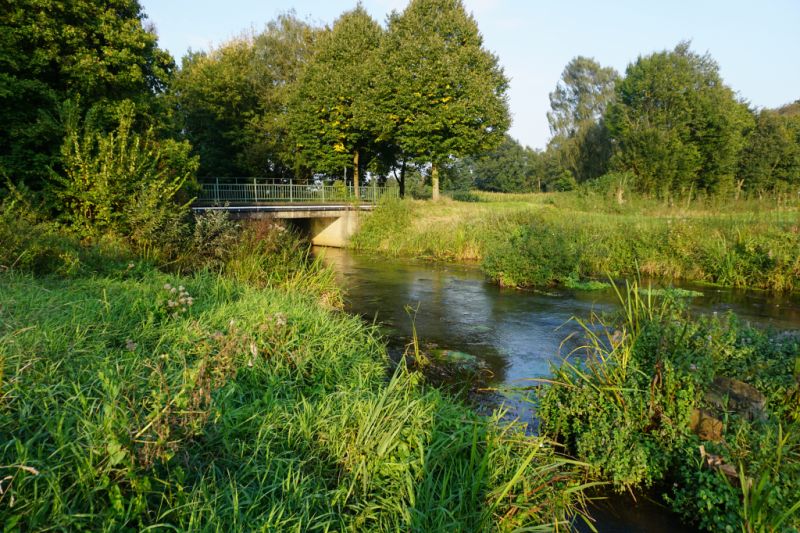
(737, 396)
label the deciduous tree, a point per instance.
(676, 126)
(95, 53)
(440, 93)
(577, 105)
(331, 115)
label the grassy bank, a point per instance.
(237, 398)
(705, 411)
(544, 239)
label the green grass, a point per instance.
(240, 400)
(561, 238)
(624, 403)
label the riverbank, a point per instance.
(234, 397)
(704, 411)
(527, 240)
(667, 397)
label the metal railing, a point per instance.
(219, 192)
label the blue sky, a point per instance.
(757, 44)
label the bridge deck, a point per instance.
(286, 210)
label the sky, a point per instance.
(756, 43)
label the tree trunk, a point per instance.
(434, 182)
(355, 174)
(402, 182)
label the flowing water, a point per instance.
(515, 334)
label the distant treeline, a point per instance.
(293, 101)
(669, 127)
(416, 100)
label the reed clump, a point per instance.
(704, 411)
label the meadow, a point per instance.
(544, 239)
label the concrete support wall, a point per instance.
(334, 232)
(327, 227)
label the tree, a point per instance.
(508, 168)
(581, 97)
(771, 158)
(330, 111)
(284, 50)
(216, 93)
(232, 101)
(95, 53)
(675, 125)
(577, 106)
(439, 93)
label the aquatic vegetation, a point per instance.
(704, 410)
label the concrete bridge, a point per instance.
(328, 213)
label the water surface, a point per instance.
(517, 334)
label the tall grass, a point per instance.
(233, 395)
(624, 403)
(546, 239)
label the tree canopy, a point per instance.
(440, 93)
(94, 53)
(232, 102)
(577, 106)
(675, 125)
(330, 116)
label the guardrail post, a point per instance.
(291, 192)
(216, 190)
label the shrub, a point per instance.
(539, 253)
(626, 400)
(121, 182)
(465, 196)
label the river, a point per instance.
(515, 334)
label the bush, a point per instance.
(539, 253)
(626, 402)
(465, 196)
(122, 182)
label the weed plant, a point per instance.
(231, 394)
(624, 403)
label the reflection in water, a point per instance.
(517, 334)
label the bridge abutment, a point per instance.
(325, 225)
(334, 232)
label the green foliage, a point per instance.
(580, 141)
(53, 51)
(465, 196)
(439, 92)
(676, 126)
(624, 402)
(771, 158)
(41, 247)
(135, 412)
(122, 182)
(537, 254)
(331, 115)
(604, 231)
(232, 101)
(508, 168)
